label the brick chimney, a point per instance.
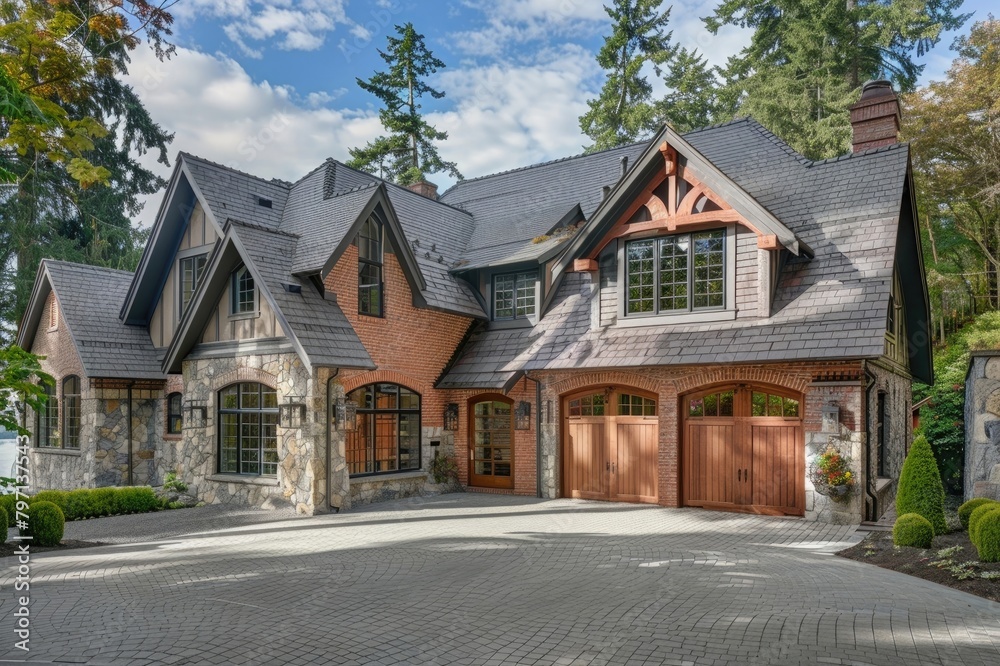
(425, 189)
(875, 117)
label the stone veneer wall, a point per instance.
(898, 390)
(111, 437)
(982, 426)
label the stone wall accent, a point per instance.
(982, 422)
(111, 445)
(372, 489)
(897, 388)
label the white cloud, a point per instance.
(510, 23)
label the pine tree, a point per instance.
(625, 112)
(693, 99)
(807, 60)
(407, 153)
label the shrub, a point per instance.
(912, 529)
(79, 504)
(444, 469)
(9, 504)
(45, 523)
(920, 489)
(977, 515)
(966, 509)
(172, 484)
(57, 497)
(139, 499)
(103, 501)
(4, 518)
(989, 537)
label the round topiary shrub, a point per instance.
(920, 489)
(9, 504)
(57, 497)
(45, 524)
(965, 511)
(912, 529)
(976, 516)
(989, 537)
(3, 532)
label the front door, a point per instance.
(610, 446)
(491, 443)
(743, 450)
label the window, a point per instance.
(635, 405)
(882, 433)
(71, 412)
(673, 274)
(588, 405)
(387, 434)
(54, 314)
(47, 430)
(248, 430)
(191, 271)
(493, 450)
(370, 268)
(716, 404)
(244, 300)
(514, 295)
(175, 419)
(765, 404)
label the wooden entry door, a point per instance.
(744, 450)
(491, 442)
(610, 446)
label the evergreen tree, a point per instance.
(693, 99)
(807, 60)
(407, 153)
(625, 112)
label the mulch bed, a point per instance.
(877, 548)
(10, 548)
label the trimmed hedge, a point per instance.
(96, 502)
(3, 517)
(45, 524)
(977, 515)
(965, 511)
(912, 529)
(920, 488)
(9, 504)
(989, 537)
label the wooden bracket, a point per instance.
(584, 265)
(669, 158)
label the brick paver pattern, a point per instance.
(480, 579)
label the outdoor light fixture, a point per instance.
(192, 407)
(451, 417)
(345, 414)
(292, 414)
(831, 417)
(522, 416)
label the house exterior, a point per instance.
(687, 321)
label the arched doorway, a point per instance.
(743, 449)
(610, 445)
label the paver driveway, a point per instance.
(479, 579)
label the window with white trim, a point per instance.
(675, 274)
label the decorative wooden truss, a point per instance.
(698, 206)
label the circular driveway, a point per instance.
(484, 579)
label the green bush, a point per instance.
(79, 504)
(172, 483)
(140, 499)
(104, 501)
(9, 504)
(3, 517)
(966, 509)
(989, 537)
(912, 529)
(920, 489)
(57, 497)
(45, 523)
(976, 516)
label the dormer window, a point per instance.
(244, 293)
(514, 296)
(191, 270)
(676, 274)
(370, 300)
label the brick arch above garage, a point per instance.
(609, 378)
(794, 381)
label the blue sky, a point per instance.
(268, 86)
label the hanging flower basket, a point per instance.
(831, 475)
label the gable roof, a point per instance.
(89, 300)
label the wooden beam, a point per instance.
(767, 242)
(584, 265)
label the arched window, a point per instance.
(71, 412)
(387, 434)
(248, 430)
(48, 419)
(370, 268)
(244, 294)
(175, 418)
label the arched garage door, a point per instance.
(743, 450)
(610, 443)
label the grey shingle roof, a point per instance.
(90, 298)
(829, 307)
(233, 194)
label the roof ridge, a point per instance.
(546, 163)
(271, 181)
(899, 145)
(77, 264)
(379, 179)
(778, 141)
(735, 121)
(296, 182)
(352, 190)
(261, 227)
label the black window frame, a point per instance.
(47, 418)
(261, 413)
(175, 416)
(367, 407)
(185, 294)
(530, 276)
(236, 302)
(690, 268)
(71, 397)
(371, 263)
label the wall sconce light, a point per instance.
(199, 407)
(345, 415)
(522, 416)
(292, 414)
(451, 417)
(831, 417)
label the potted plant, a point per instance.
(831, 474)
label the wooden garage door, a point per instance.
(743, 450)
(610, 446)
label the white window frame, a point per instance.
(182, 256)
(234, 284)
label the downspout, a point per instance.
(870, 380)
(129, 431)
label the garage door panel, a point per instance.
(636, 446)
(777, 457)
(710, 455)
(587, 458)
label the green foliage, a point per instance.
(965, 511)
(96, 502)
(80, 504)
(172, 484)
(444, 469)
(693, 96)
(104, 501)
(914, 530)
(977, 515)
(9, 504)
(807, 60)
(920, 490)
(988, 543)
(6, 519)
(21, 382)
(135, 499)
(407, 152)
(57, 497)
(624, 112)
(45, 524)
